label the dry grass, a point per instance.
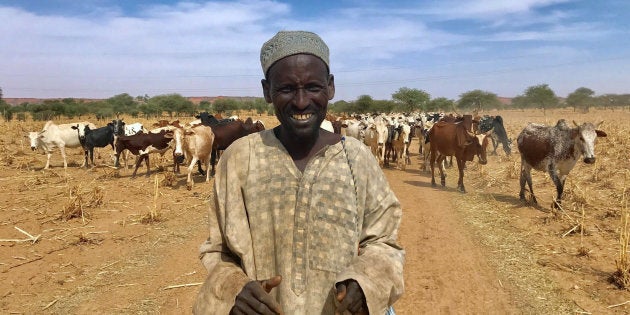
(169, 179)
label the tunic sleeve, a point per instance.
(223, 254)
(379, 266)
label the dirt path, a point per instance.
(446, 271)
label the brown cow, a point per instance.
(555, 150)
(453, 139)
(142, 144)
(227, 132)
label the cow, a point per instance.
(99, 137)
(195, 143)
(498, 134)
(142, 144)
(61, 136)
(454, 139)
(400, 144)
(226, 132)
(555, 150)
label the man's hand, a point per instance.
(255, 298)
(351, 298)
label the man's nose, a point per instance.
(301, 98)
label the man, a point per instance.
(303, 221)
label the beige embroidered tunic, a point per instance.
(315, 228)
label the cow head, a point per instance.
(475, 148)
(585, 136)
(80, 128)
(34, 138)
(119, 127)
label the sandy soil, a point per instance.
(483, 252)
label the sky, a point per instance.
(103, 48)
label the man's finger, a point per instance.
(271, 283)
(341, 292)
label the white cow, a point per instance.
(61, 136)
(195, 143)
(327, 125)
(132, 129)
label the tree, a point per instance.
(364, 104)
(122, 103)
(409, 100)
(478, 100)
(581, 98)
(223, 105)
(440, 104)
(170, 103)
(541, 96)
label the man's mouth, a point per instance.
(301, 116)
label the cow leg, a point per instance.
(495, 144)
(526, 177)
(432, 160)
(62, 149)
(440, 161)
(207, 162)
(48, 154)
(200, 170)
(559, 182)
(138, 161)
(461, 163)
(189, 181)
(146, 159)
(92, 156)
(213, 160)
(117, 159)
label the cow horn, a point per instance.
(576, 124)
(599, 124)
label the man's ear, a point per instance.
(331, 87)
(265, 87)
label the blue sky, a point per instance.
(101, 48)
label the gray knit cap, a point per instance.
(287, 43)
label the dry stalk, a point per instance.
(154, 213)
(621, 277)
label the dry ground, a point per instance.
(132, 246)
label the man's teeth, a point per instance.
(302, 116)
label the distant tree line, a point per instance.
(404, 100)
(538, 97)
(171, 105)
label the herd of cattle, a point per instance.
(553, 149)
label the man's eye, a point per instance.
(314, 89)
(286, 89)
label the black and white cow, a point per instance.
(99, 137)
(498, 134)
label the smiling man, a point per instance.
(303, 221)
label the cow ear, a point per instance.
(74, 127)
(600, 133)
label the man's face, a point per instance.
(299, 87)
